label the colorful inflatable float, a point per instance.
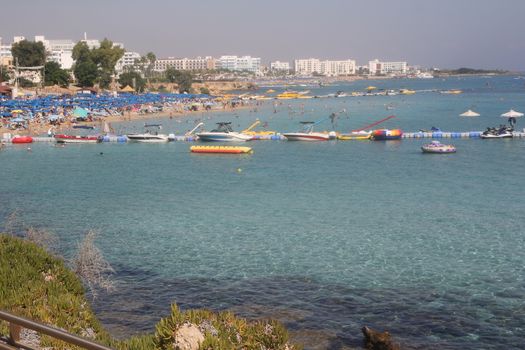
(22, 139)
(386, 134)
(221, 149)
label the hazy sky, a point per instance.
(440, 33)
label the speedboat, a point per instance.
(62, 138)
(149, 136)
(503, 132)
(223, 133)
(307, 135)
(438, 147)
(386, 134)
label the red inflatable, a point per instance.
(22, 139)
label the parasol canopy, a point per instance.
(469, 113)
(512, 114)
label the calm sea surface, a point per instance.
(326, 237)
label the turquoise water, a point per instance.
(326, 237)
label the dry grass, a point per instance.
(92, 267)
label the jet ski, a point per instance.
(503, 132)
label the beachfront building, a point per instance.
(279, 66)
(6, 59)
(196, 63)
(129, 59)
(243, 63)
(313, 66)
(59, 51)
(95, 43)
(377, 67)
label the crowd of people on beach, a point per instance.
(35, 114)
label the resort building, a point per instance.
(128, 60)
(59, 51)
(282, 66)
(244, 63)
(5, 50)
(377, 67)
(312, 66)
(197, 63)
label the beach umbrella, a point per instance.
(80, 112)
(469, 113)
(512, 114)
(17, 111)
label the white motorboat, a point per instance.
(62, 138)
(149, 136)
(223, 133)
(307, 135)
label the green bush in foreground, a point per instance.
(38, 286)
(222, 331)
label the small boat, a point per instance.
(221, 149)
(503, 132)
(451, 92)
(438, 147)
(386, 134)
(223, 133)
(149, 136)
(307, 135)
(21, 139)
(62, 138)
(360, 135)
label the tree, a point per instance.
(4, 74)
(81, 52)
(183, 79)
(133, 79)
(86, 73)
(96, 65)
(29, 53)
(106, 57)
(55, 75)
(151, 58)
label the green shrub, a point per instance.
(223, 331)
(38, 286)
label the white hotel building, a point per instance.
(129, 59)
(197, 63)
(377, 67)
(281, 66)
(244, 63)
(328, 68)
(60, 51)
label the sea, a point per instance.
(326, 237)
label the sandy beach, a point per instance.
(38, 129)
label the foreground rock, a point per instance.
(375, 340)
(188, 337)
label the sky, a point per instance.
(430, 33)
